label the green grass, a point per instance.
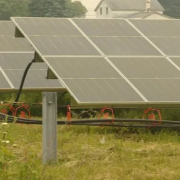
(92, 153)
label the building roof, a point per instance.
(131, 5)
(142, 15)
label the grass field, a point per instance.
(92, 153)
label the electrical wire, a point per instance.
(22, 82)
(136, 123)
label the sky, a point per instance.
(90, 6)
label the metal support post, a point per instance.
(49, 126)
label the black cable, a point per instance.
(127, 125)
(123, 120)
(140, 123)
(22, 83)
(23, 79)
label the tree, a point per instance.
(76, 9)
(55, 8)
(9, 8)
(40, 8)
(172, 7)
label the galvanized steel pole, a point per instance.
(49, 127)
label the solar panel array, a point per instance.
(7, 28)
(15, 54)
(110, 61)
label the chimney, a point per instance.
(148, 5)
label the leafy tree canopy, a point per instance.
(172, 8)
(40, 8)
(9, 8)
(56, 8)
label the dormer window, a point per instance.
(101, 11)
(107, 10)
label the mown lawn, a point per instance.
(92, 153)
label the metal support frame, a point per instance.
(49, 126)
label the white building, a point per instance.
(135, 9)
(148, 15)
(90, 6)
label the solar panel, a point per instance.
(3, 82)
(7, 28)
(169, 45)
(159, 90)
(36, 79)
(14, 44)
(15, 54)
(106, 27)
(155, 78)
(176, 61)
(50, 45)
(115, 76)
(19, 61)
(47, 27)
(14, 65)
(146, 68)
(125, 46)
(158, 27)
(102, 91)
(15, 60)
(82, 67)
